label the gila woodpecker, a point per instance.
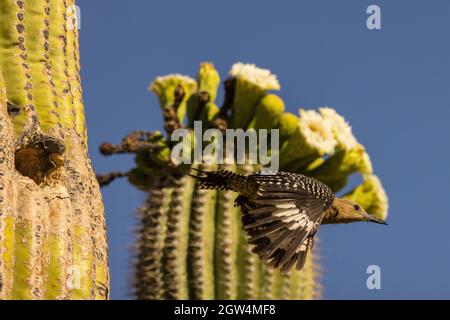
(281, 212)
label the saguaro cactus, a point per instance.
(190, 243)
(52, 228)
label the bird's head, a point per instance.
(350, 211)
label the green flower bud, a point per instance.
(252, 84)
(268, 112)
(164, 87)
(371, 195)
(288, 126)
(208, 80)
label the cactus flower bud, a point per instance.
(252, 83)
(164, 87)
(313, 138)
(268, 112)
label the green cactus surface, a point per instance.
(52, 228)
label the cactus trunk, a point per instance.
(52, 228)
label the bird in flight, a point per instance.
(282, 212)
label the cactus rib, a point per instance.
(175, 251)
(201, 244)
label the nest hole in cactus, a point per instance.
(39, 157)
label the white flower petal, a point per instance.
(317, 132)
(258, 76)
(341, 129)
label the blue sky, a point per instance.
(390, 84)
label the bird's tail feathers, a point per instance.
(217, 180)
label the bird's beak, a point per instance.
(371, 218)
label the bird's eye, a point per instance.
(356, 207)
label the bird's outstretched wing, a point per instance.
(281, 221)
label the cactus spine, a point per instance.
(52, 228)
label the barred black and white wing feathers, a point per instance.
(281, 212)
(306, 246)
(283, 217)
(281, 233)
(284, 184)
